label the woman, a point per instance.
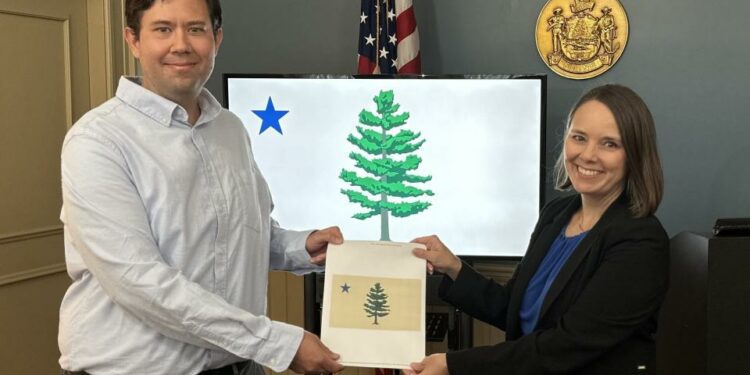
(584, 300)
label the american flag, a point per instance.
(388, 38)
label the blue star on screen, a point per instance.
(345, 288)
(270, 117)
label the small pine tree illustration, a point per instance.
(386, 176)
(376, 305)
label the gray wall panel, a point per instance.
(686, 58)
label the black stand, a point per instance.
(704, 324)
(451, 322)
(313, 301)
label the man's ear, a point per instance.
(218, 37)
(131, 37)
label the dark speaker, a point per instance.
(704, 323)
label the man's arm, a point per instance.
(301, 252)
(108, 226)
(317, 243)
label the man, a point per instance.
(168, 235)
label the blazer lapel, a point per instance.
(579, 254)
(537, 251)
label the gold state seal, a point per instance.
(581, 39)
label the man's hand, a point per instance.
(435, 364)
(317, 243)
(314, 357)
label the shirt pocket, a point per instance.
(250, 200)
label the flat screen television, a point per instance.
(397, 157)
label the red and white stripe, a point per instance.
(408, 60)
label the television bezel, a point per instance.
(542, 123)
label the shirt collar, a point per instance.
(161, 109)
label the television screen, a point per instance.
(394, 158)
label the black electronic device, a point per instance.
(732, 227)
(472, 148)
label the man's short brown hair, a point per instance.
(134, 12)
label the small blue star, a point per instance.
(345, 288)
(270, 117)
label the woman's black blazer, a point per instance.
(599, 315)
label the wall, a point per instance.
(62, 59)
(686, 58)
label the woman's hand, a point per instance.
(431, 365)
(438, 256)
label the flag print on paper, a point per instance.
(376, 303)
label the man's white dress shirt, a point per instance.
(168, 241)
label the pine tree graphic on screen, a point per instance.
(377, 303)
(388, 162)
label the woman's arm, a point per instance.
(624, 292)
